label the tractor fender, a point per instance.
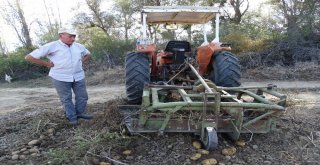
(205, 53)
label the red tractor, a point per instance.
(177, 90)
(168, 66)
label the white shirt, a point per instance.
(67, 60)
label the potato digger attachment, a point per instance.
(176, 91)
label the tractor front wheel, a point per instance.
(137, 74)
(210, 140)
(226, 70)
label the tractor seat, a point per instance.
(178, 46)
(178, 50)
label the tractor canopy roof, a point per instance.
(179, 14)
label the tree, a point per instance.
(3, 49)
(125, 18)
(310, 18)
(97, 18)
(14, 16)
(187, 27)
(213, 2)
(236, 6)
(52, 27)
(291, 12)
(48, 30)
(139, 4)
(299, 17)
(48, 33)
(186, 2)
(239, 7)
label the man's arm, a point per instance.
(39, 61)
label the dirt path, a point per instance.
(12, 99)
(308, 92)
(285, 84)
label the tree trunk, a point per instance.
(25, 29)
(3, 50)
(237, 4)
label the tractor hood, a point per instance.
(179, 14)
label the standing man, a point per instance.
(66, 58)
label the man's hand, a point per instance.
(50, 65)
(85, 58)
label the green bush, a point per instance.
(16, 66)
(246, 37)
(103, 47)
(250, 36)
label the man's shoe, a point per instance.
(73, 122)
(85, 116)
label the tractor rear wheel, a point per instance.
(137, 74)
(226, 70)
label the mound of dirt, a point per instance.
(49, 127)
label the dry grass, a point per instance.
(111, 76)
(301, 71)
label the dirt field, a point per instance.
(14, 99)
(35, 115)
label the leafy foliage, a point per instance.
(245, 38)
(97, 17)
(48, 35)
(16, 66)
(103, 47)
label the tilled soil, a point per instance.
(39, 119)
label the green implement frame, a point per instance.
(205, 109)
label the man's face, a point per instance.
(67, 38)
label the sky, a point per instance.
(35, 10)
